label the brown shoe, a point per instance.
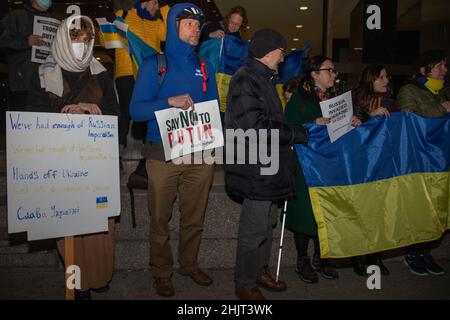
(199, 277)
(249, 293)
(164, 287)
(267, 282)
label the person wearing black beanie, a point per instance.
(253, 105)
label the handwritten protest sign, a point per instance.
(340, 112)
(187, 131)
(46, 28)
(62, 173)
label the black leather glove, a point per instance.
(300, 135)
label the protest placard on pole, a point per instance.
(46, 28)
(186, 131)
(62, 173)
(340, 112)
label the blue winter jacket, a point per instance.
(183, 76)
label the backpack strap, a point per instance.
(162, 67)
(203, 70)
(161, 62)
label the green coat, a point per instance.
(299, 214)
(418, 99)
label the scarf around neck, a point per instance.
(63, 57)
(435, 86)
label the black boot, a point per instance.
(359, 266)
(320, 265)
(83, 295)
(305, 271)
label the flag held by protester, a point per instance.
(382, 186)
(116, 35)
(226, 55)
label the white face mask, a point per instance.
(78, 49)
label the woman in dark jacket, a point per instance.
(73, 81)
(304, 107)
(373, 96)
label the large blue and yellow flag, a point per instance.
(116, 34)
(382, 186)
(227, 55)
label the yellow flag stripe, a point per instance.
(381, 215)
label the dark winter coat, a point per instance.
(18, 25)
(253, 103)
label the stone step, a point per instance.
(37, 254)
(214, 254)
(47, 260)
(221, 219)
(3, 216)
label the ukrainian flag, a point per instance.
(113, 35)
(117, 35)
(291, 67)
(226, 55)
(382, 186)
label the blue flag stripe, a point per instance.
(381, 148)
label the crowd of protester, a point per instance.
(77, 83)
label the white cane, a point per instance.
(281, 240)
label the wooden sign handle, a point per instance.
(69, 260)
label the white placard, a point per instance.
(62, 173)
(187, 131)
(340, 112)
(46, 28)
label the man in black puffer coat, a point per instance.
(259, 167)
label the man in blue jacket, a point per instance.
(185, 83)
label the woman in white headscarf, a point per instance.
(73, 81)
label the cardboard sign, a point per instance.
(62, 173)
(46, 28)
(340, 112)
(186, 131)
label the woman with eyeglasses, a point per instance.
(72, 81)
(304, 107)
(373, 96)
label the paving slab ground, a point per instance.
(137, 285)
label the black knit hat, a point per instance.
(429, 57)
(266, 40)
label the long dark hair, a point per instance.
(364, 91)
(307, 82)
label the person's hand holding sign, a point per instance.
(183, 101)
(34, 40)
(356, 121)
(322, 121)
(82, 108)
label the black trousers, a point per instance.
(125, 86)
